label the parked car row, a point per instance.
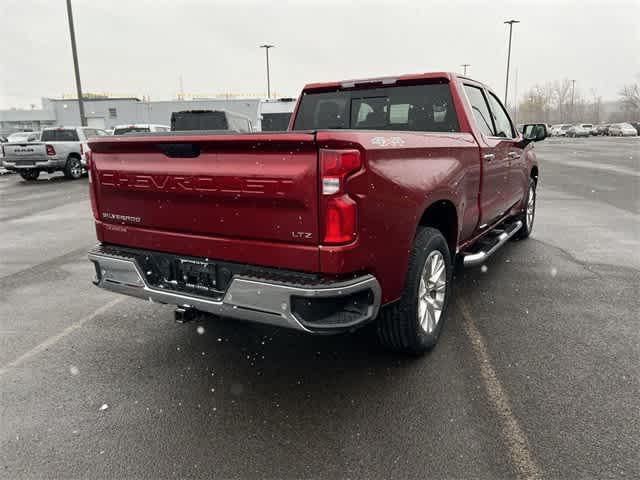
(560, 130)
(624, 130)
(587, 129)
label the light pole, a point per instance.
(506, 86)
(465, 65)
(573, 92)
(266, 50)
(74, 51)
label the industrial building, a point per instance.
(109, 112)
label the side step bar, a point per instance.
(478, 258)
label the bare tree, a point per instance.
(537, 104)
(630, 99)
(562, 93)
(551, 102)
(595, 107)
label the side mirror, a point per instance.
(533, 132)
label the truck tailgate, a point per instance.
(24, 152)
(248, 186)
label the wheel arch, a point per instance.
(534, 174)
(442, 215)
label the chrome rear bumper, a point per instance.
(252, 299)
(31, 164)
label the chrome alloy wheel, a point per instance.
(432, 290)
(531, 207)
(76, 168)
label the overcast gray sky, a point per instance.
(141, 47)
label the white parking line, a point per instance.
(56, 338)
(513, 434)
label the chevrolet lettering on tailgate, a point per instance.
(197, 183)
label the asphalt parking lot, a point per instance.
(537, 374)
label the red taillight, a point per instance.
(335, 165)
(341, 220)
(51, 150)
(92, 186)
(338, 210)
(88, 157)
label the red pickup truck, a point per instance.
(357, 213)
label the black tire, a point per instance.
(527, 221)
(73, 168)
(399, 327)
(30, 175)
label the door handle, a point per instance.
(514, 155)
(488, 156)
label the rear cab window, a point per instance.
(59, 135)
(425, 108)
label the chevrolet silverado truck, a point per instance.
(356, 214)
(59, 149)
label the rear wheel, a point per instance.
(30, 175)
(73, 168)
(528, 215)
(413, 324)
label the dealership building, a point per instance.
(109, 112)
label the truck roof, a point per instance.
(383, 80)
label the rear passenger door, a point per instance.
(507, 147)
(495, 164)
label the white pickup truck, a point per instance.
(59, 149)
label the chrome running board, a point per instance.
(478, 258)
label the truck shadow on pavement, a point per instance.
(260, 352)
(48, 180)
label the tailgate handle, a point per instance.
(180, 150)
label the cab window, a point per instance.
(480, 109)
(504, 128)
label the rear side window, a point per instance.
(423, 108)
(480, 109)
(59, 136)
